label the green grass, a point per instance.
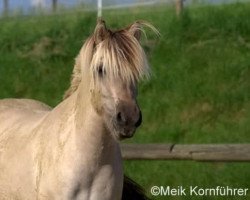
(199, 91)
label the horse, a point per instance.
(72, 152)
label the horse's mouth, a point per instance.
(126, 133)
(121, 132)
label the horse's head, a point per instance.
(118, 63)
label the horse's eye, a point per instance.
(101, 71)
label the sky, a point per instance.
(26, 5)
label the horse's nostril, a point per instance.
(119, 117)
(138, 123)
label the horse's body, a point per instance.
(52, 166)
(69, 152)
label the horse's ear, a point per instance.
(135, 29)
(100, 32)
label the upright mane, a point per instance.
(119, 53)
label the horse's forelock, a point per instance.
(119, 53)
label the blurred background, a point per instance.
(199, 91)
(27, 7)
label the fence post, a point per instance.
(179, 7)
(5, 7)
(99, 8)
(54, 5)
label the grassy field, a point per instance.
(199, 91)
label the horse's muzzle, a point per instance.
(127, 120)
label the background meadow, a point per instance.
(199, 91)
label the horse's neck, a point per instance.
(90, 128)
(100, 152)
(90, 153)
(77, 116)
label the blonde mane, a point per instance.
(118, 53)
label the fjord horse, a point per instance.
(71, 152)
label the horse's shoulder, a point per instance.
(28, 104)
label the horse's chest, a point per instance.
(106, 184)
